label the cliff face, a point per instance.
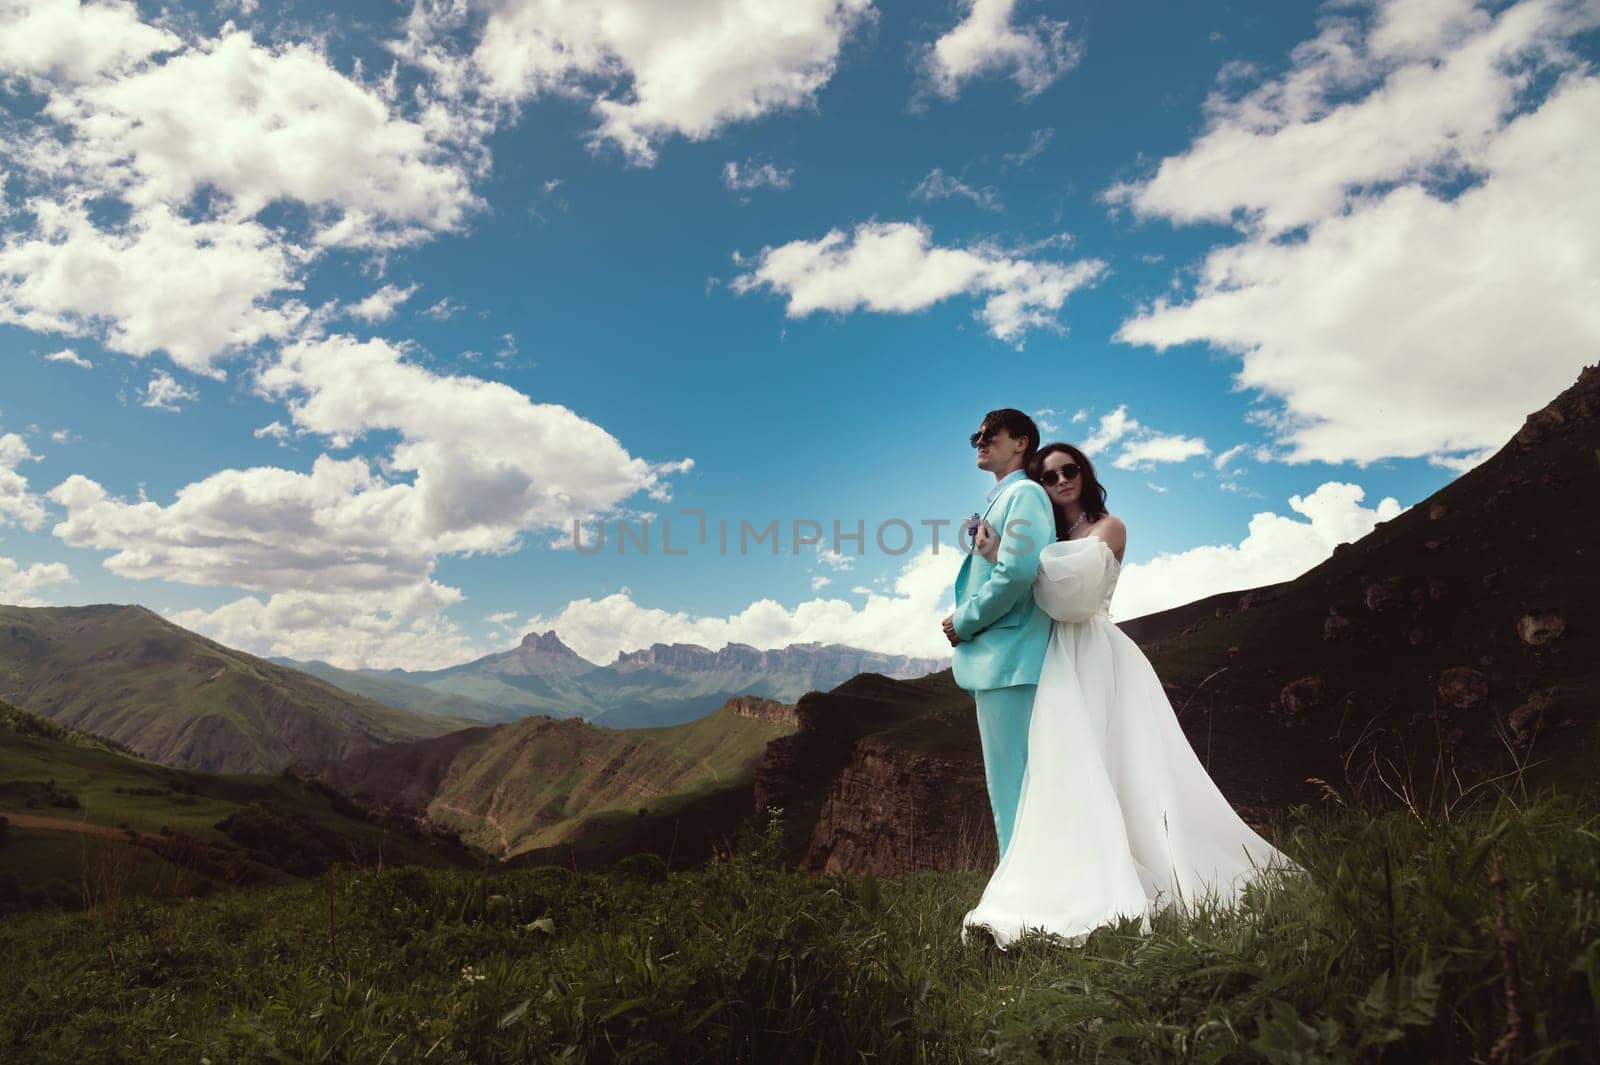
(759, 709)
(892, 812)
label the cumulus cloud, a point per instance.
(165, 393)
(18, 505)
(989, 39)
(1416, 209)
(260, 125)
(159, 282)
(652, 70)
(941, 186)
(71, 43)
(1276, 548)
(903, 620)
(894, 267)
(406, 630)
(380, 305)
(188, 141)
(18, 586)
(1141, 454)
(70, 357)
(474, 466)
(1141, 446)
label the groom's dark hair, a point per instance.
(1018, 425)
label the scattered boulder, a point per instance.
(1528, 719)
(1335, 628)
(1539, 627)
(1438, 588)
(1462, 688)
(1298, 697)
(1382, 595)
(1420, 635)
(1437, 511)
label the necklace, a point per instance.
(1075, 524)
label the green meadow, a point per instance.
(1466, 933)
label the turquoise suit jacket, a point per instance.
(1003, 634)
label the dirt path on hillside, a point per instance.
(68, 824)
(484, 819)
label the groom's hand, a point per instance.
(950, 630)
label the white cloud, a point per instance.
(941, 186)
(1142, 453)
(70, 357)
(18, 505)
(403, 631)
(652, 70)
(63, 41)
(273, 430)
(18, 586)
(195, 138)
(159, 282)
(444, 309)
(1038, 140)
(1142, 446)
(1277, 548)
(380, 305)
(904, 620)
(894, 267)
(1112, 427)
(1417, 209)
(1222, 460)
(165, 393)
(753, 175)
(988, 40)
(475, 465)
(262, 125)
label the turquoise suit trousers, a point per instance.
(1003, 715)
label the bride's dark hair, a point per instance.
(1092, 495)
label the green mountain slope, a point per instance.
(84, 815)
(178, 698)
(514, 787)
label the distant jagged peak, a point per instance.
(547, 641)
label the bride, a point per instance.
(1117, 816)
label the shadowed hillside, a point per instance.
(534, 783)
(88, 821)
(178, 698)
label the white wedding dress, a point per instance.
(1117, 815)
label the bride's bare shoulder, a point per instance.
(1111, 529)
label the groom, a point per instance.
(999, 635)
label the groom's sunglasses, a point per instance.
(1067, 471)
(983, 436)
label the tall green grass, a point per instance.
(1397, 947)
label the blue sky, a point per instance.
(1272, 261)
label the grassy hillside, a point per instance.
(176, 697)
(530, 784)
(1403, 945)
(89, 818)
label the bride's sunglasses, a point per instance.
(1067, 471)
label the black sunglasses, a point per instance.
(983, 436)
(1065, 472)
